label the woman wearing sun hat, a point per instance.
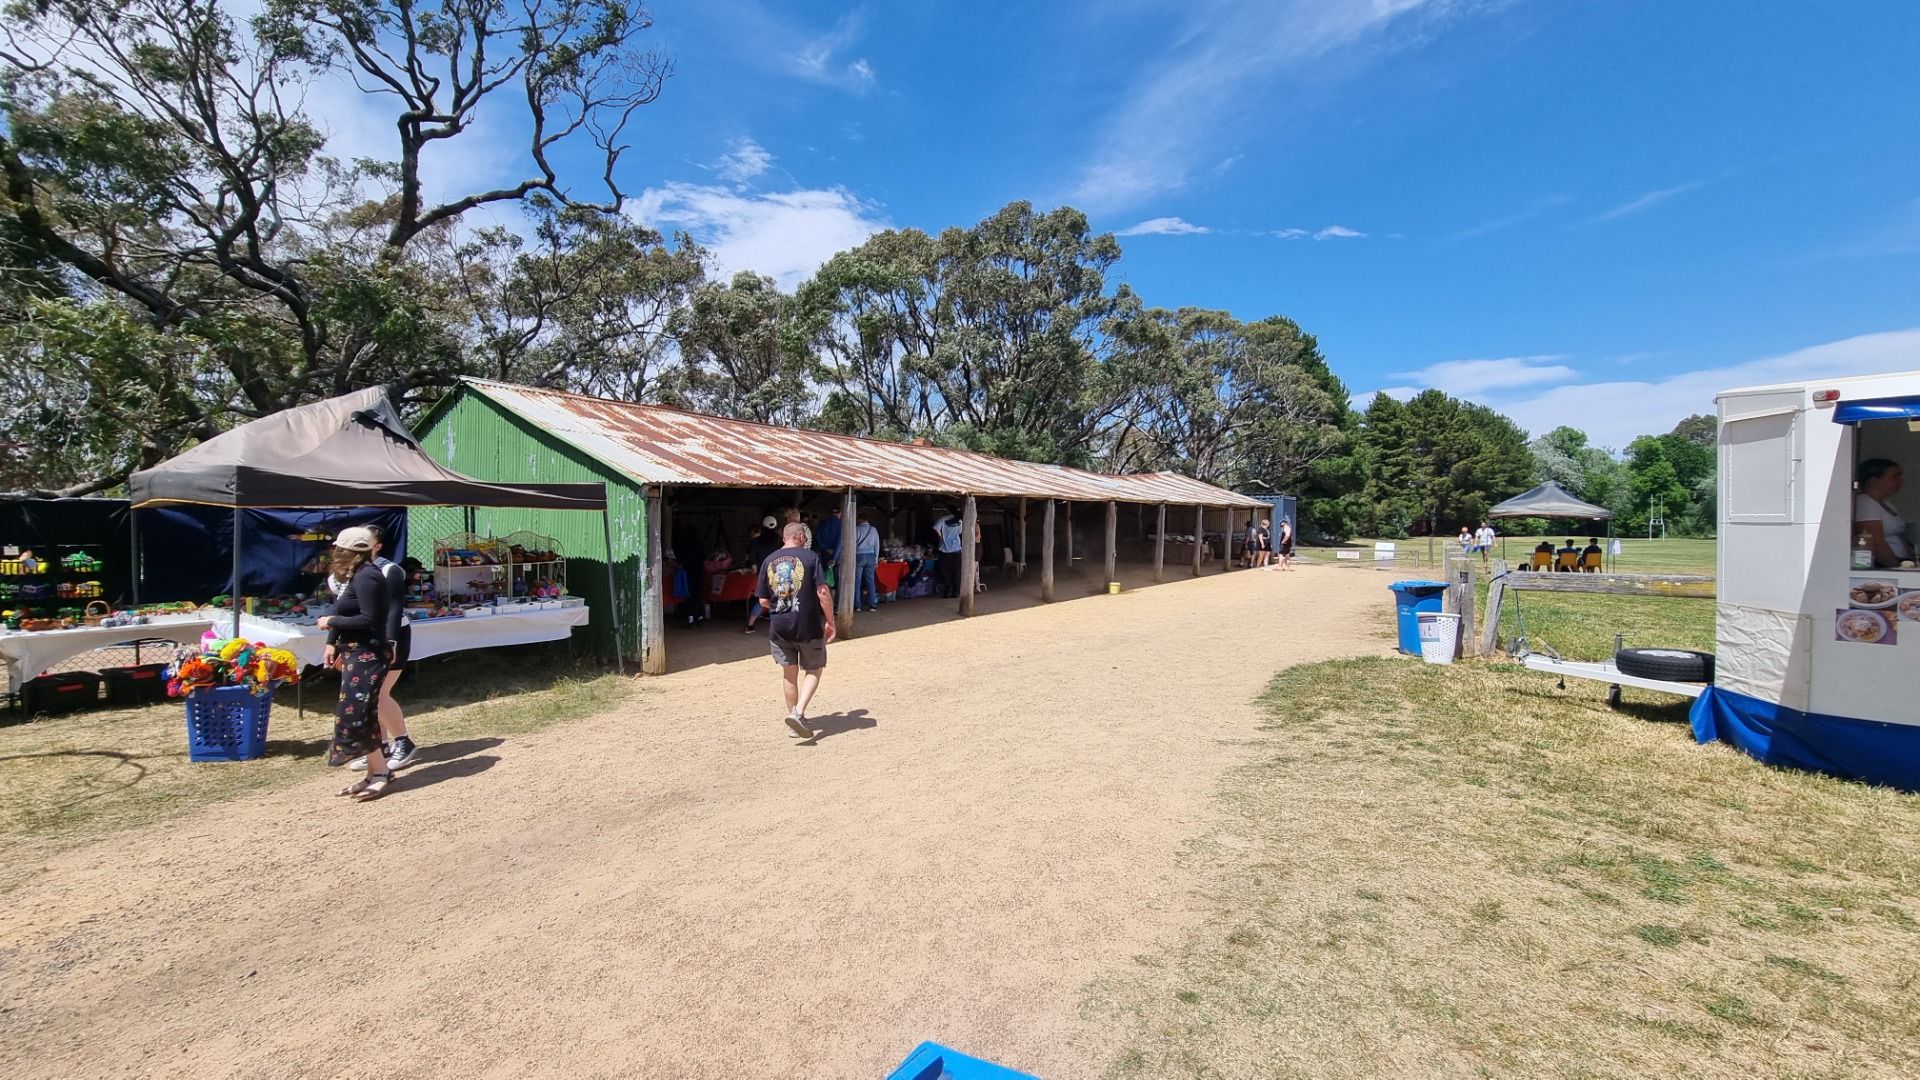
(358, 644)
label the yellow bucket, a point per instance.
(1113, 588)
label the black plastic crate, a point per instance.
(136, 684)
(60, 692)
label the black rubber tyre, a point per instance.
(1672, 665)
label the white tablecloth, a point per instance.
(435, 637)
(27, 654)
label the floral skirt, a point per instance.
(356, 719)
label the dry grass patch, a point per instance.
(1461, 871)
(73, 777)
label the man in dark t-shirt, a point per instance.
(792, 591)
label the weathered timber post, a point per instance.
(1113, 539)
(1160, 547)
(1022, 559)
(1046, 554)
(849, 568)
(653, 610)
(969, 550)
(1199, 535)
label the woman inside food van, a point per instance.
(1873, 515)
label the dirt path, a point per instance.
(675, 889)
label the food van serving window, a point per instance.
(1886, 448)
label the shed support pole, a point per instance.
(849, 569)
(1068, 507)
(1160, 547)
(1113, 538)
(613, 594)
(653, 611)
(133, 526)
(1199, 536)
(1046, 554)
(1021, 560)
(1226, 543)
(969, 551)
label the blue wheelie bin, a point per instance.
(1410, 598)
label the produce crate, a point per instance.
(136, 684)
(227, 723)
(60, 692)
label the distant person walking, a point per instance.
(1466, 540)
(764, 541)
(1485, 539)
(948, 528)
(799, 608)
(1285, 544)
(866, 554)
(358, 644)
(400, 748)
(1250, 545)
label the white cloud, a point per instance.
(1540, 206)
(822, 59)
(1219, 66)
(1645, 202)
(1614, 413)
(1290, 234)
(784, 235)
(1164, 226)
(1472, 378)
(745, 161)
(1337, 232)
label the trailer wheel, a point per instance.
(1672, 665)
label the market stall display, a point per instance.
(28, 654)
(349, 451)
(507, 624)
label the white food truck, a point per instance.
(1818, 617)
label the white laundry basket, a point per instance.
(1439, 636)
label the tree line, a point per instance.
(180, 252)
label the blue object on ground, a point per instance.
(1876, 751)
(227, 723)
(931, 1061)
(1410, 598)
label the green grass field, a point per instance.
(1462, 871)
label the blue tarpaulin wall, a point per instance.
(187, 551)
(1870, 750)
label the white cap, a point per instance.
(768, 522)
(357, 538)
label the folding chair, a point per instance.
(1590, 562)
(1009, 564)
(1568, 561)
(1542, 560)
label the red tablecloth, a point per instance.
(888, 574)
(724, 587)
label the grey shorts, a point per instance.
(810, 655)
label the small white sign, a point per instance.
(1346, 555)
(1383, 551)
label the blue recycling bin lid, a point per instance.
(1417, 586)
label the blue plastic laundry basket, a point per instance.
(227, 723)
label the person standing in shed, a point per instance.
(793, 593)
(949, 530)
(866, 553)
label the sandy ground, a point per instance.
(676, 889)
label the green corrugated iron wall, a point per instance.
(472, 435)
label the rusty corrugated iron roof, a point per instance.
(656, 444)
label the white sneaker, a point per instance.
(799, 728)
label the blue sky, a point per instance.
(1594, 213)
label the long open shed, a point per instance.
(658, 462)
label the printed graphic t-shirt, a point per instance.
(790, 583)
